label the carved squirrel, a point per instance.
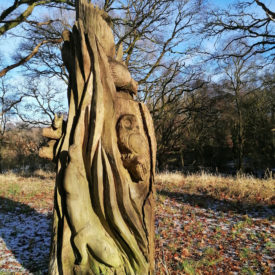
(119, 71)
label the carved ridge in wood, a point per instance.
(103, 212)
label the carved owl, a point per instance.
(133, 147)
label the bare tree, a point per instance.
(42, 100)
(154, 35)
(8, 102)
(239, 73)
(158, 42)
(47, 62)
(17, 15)
(172, 104)
(249, 22)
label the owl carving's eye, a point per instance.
(127, 123)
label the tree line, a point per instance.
(206, 74)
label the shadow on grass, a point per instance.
(46, 176)
(26, 234)
(210, 202)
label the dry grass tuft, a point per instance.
(23, 188)
(245, 189)
(44, 174)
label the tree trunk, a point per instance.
(103, 213)
(240, 134)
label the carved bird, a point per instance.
(122, 77)
(133, 147)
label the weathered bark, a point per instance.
(103, 213)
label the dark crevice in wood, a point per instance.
(151, 173)
(110, 218)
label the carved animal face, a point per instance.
(58, 121)
(133, 147)
(128, 123)
(126, 127)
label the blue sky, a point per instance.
(224, 3)
(7, 48)
(9, 45)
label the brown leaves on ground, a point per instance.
(201, 229)
(204, 224)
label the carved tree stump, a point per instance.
(103, 213)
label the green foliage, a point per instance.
(247, 270)
(189, 267)
(14, 190)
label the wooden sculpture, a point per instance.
(105, 154)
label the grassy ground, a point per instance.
(243, 189)
(209, 224)
(205, 224)
(35, 190)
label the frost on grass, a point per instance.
(24, 240)
(202, 225)
(25, 221)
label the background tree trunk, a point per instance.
(103, 214)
